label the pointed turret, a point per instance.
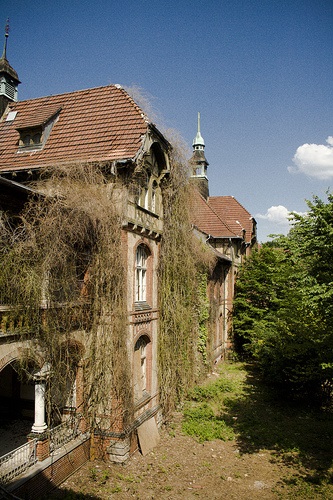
(199, 163)
(8, 77)
(198, 142)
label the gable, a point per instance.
(234, 214)
(207, 220)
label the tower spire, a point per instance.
(199, 163)
(8, 77)
(4, 53)
(198, 142)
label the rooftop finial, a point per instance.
(6, 37)
(198, 142)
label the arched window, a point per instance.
(153, 196)
(146, 198)
(142, 352)
(141, 274)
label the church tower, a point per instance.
(8, 78)
(199, 164)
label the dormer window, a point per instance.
(30, 138)
(26, 140)
(35, 129)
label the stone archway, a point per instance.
(17, 399)
(16, 385)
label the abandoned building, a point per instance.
(99, 130)
(228, 228)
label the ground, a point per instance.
(180, 467)
(267, 449)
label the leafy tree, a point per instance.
(283, 308)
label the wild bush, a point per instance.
(282, 314)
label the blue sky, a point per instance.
(259, 71)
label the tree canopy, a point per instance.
(283, 308)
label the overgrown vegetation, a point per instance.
(64, 253)
(63, 274)
(203, 316)
(238, 405)
(184, 264)
(283, 313)
(283, 447)
(203, 412)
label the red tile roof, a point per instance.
(221, 217)
(99, 124)
(207, 220)
(41, 116)
(234, 214)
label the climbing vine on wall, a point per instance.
(65, 254)
(203, 315)
(184, 259)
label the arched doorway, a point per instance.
(17, 400)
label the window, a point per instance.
(26, 140)
(141, 274)
(30, 138)
(34, 131)
(198, 170)
(142, 347)
(153, 196)
(36, 139)
(146, 198)
(142, 352)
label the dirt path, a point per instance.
(180, 467)
(278, 451)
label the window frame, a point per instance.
(141, 258)
(31, 138)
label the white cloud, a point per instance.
(314, 160)
(276, 214)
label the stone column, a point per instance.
(40, 425)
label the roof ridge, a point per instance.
(114, 85)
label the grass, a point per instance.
(201, 421)
(234, 405)
(204, 412)
(238, 405)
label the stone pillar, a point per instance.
(40, 425)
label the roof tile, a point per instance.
(235, 215)
(205, 218)
(222, 217)
(99, 124)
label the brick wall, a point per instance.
(46, 480)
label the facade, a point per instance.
(103, 129)
(230, 230)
